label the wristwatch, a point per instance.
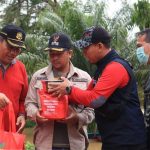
(68, 90)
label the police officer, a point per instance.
(71, 132)
(13, 76)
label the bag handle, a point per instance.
(11, 114)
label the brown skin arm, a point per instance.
(21, 123)
(3, 100)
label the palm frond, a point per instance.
(32, 62)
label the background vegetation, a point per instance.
(41, 18)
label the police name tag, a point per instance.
(41, 78)
(81, 83)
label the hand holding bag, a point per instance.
(10, 140)
(52, 107)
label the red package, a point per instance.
(10, 140)
(52, 107)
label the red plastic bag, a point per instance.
(52, 107)
(10, 140)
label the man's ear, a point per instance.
(100, 45)
(146, 48)
(71, 53)
(140, 40)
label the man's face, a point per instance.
(60, 60)
(92, 53)
(7, 52)
(140, 40)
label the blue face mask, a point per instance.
(142, 57)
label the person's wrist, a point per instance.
(21, 114)
(68, 90)
(21, 117)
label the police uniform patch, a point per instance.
(55, 40)
(79, 80)
(81, 83)
(41, 78)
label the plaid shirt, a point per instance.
(147, 101)
(147, 108)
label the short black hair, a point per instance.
(101, 35)
(146, 31)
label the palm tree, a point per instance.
(141, 14)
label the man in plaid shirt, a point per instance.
(143, 53)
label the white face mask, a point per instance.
(142, 57)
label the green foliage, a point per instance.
(34, 2)
(32, 62)
(99, 16)
(119, 28)
(80, 61)
(29, 146)
(30, 124)
(72, 18)
(36, 43)
(48, 21)
(74, 23)
(92, 127)
(16, 12)
(141, 14)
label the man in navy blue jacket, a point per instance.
(112, 93)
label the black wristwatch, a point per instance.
(68, 90)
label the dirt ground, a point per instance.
(94, 145)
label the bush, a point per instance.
(30, 124)
(29, 146)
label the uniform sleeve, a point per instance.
(114, 76)
(85, 114)
(85, 117)
(23, 92)
(31, 103)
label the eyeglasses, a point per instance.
(16, 50)
(58, 54)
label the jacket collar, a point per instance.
(104, 61)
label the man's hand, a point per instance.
(3, 100)
(40, 118)
(21, 123)
(59, 89)
(72, 116)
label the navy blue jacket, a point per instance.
(120, 120)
